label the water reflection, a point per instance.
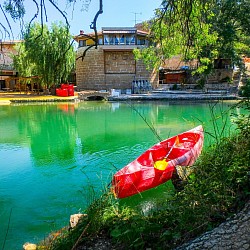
(51, 154)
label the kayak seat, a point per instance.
(160, 151)
(177, 152)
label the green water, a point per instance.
(52, 155)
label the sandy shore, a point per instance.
(14, 97)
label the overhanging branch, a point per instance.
(93, 26)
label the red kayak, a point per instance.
(156, 165)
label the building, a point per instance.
(9, 77)
(112, 64)
(178, 73)
(7, 48)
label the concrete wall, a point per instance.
(109, 69)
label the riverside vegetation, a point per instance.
(218, 187)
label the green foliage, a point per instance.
(15, 8)
(203, 30)
(149, 56)
(46, 53)
(175, 87)
(245, 89)
(201, 83)
(22, 63)
(243, 120)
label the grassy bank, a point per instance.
(217, 188)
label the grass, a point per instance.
(217, 188)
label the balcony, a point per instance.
(6, 67)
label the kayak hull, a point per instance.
(141, 174)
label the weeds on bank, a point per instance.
(217, 188)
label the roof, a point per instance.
(119, 29)
(10, 41)
(176, 62)
(112, 30)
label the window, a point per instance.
(106, 39)
(111, 40)
(100, 41)
(141, 41)
(127, 40)
(132, 40)
(82, 43)
(116, 40)
(122, 39)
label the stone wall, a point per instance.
(104, 70)
(119, 62)
(219, 75)
(90, 70)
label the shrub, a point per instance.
(245, 90)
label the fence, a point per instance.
(141, 86)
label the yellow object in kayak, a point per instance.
(161, 164)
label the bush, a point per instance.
(245, 90)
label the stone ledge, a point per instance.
(173, 96)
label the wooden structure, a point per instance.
(177, 77)
(23, 84)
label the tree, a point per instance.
(199, 29)
(16, 9)
(46, 53)
(22, 64)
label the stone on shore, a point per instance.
(74, 219)
(29, 246)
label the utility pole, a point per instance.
(136, 13)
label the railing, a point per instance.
(6, 67)
(141, 86)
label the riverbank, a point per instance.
(7, 98)
(177, 95)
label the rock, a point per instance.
(74, 219)
(232, 234)
(180, 175)
(29, 246)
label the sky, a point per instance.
(116, 13)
